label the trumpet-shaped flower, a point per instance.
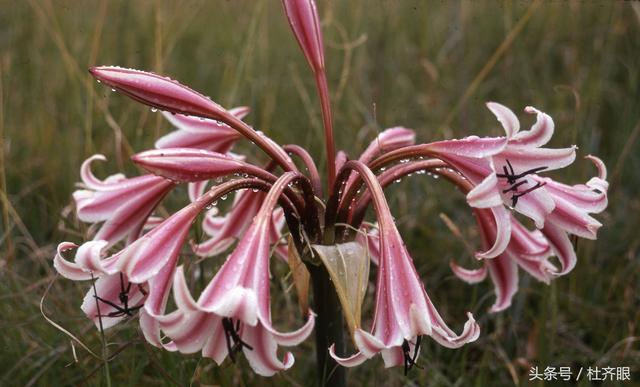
(528, 250)
(149, 261)
(403, 311)
(233, 312)
(124, 204)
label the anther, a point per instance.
(123, 296)
(410, 361)
(232, 337)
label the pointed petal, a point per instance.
(390, 139)
(470, 333)
(504, 274)
(393, 357)
(537, 204)
(368, 344)
(485, 194)
(574, 220)
(539, 134)
(216, 346)
(263, 358)
(351, 361)
(70, 270)
(526, 158)
(506, 117)
(293, 338)
(239, 302)
(471, 276)
(562, 247)
(497, 228)
(90, 181)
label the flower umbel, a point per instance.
(137, 261)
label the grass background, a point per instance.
(425, 65)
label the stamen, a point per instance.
(123, 296)
(410, 361)
(514, 187)
(515, 196)
(231, 334)
(512, 179)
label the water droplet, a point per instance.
(114, 90)
(223, 197)
(397, 180)
(255, 190)
(153, 110)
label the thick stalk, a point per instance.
(328, 328)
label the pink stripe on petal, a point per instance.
(506, 117)
(90, 181)
(485, 194)
(574, 220)
(504, 274)
(537, 205)
(193, 332)
(562, 247)
(523, 159)
(217, 142)
(195, 125)
(539, 134)
(263, 358)
(390, 139)
(70, 270)
(368, 344)
(497, 227)
(471, 276)
(216, 347)
(303, 19)
(158, 91)
(186, 164)
(471, 147)
(181, 294)
(351, 361)
(89, 256)
(445, 337)
(293, 338)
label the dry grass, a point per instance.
(426, 65)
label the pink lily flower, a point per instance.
(149, 261)
(403, 312)
(234, 309)
(528, 250)
(233, 312)
(202, 133)
(123, 204)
